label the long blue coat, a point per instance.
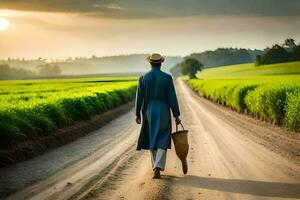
(155, 97)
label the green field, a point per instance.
(270, 92)
(39, 107)
(250, 70)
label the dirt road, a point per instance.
(231, 157)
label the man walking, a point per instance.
(155, 97)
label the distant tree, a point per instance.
(49, 70)
(276, 54)
(225, 56)
(190, 66)
(290, 43)
(7, 72)
(296, 53)
(258, 60)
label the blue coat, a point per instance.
(154, 99)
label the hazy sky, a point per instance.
(63, 28)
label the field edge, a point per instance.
(275, 138)
(21, 151)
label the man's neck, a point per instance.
(155, 68)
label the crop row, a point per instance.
(274, 100)
(41, 113)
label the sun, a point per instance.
(4, 23)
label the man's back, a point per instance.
(155, 85)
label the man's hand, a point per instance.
(138, 120)
(177, 120)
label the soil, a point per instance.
(19, 150)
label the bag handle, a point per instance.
(181, 126)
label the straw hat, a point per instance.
(155, 58)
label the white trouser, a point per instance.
(158, 158)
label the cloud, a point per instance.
(158, 8)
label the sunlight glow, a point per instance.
(4, 23)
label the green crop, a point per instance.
(34, 107)
(292, 110)
(273, 98)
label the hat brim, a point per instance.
(155, 61)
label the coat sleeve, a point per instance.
(139, 98)
(172, 99)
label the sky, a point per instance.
(71, 28)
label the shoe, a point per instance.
(184, 166)
(156, 174)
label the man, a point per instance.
(155, 97)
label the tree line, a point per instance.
(47, 70)
(216, 58)
(287, 52)
(90, 66)
(226, 56)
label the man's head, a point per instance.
(155, 60)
